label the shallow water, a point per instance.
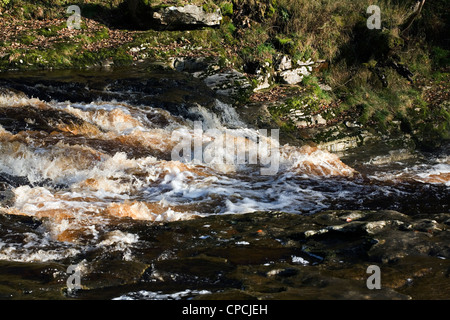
(86, 155)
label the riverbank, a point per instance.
(339, 100)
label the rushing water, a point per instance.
(86, 156)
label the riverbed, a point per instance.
(152, 187)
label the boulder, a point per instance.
(283, 63)
(293, 76)
(224, 81)
(192, 64)
(187, 16)
(227, 82)
(319, 120)
(263, 82)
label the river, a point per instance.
(125, 174)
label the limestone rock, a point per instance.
(325, 87)
(263, 81)
(319, 120)
(294, 76)
(227, 82)
(224, 81)
(186, 64)
(189, 15)
(283, 63)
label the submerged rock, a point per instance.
(7, 197)
(260, 255)
(270, 255)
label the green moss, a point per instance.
(210, 6)
(226, 8)
(364, 111)
(102, 34)
(285, 44)
(380, 117)
(265, 52)
(51, 30)
(27, 39)
(312, 85)
(306, 101)
(441, 57)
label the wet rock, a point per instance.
(16, 226)
(12, 93)
(192, 65)
(393, 156)
(309, 283)
(271, 255)
(174, 92)
(8, 181)
(7, 184)
(7, 196)
(227, 82)
(287, 272)
(19, 280)
(25, 118)
(201, 268)
(341, 145)
(102, 274)
(426, 225)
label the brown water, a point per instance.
(87, 161)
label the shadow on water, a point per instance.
(139, 85)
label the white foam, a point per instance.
(436, 173)
(299, 260)
(33, 253)
(17, 100)
(150, 189)
(120, 241)
(159, 295)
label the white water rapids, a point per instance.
(116, 162)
